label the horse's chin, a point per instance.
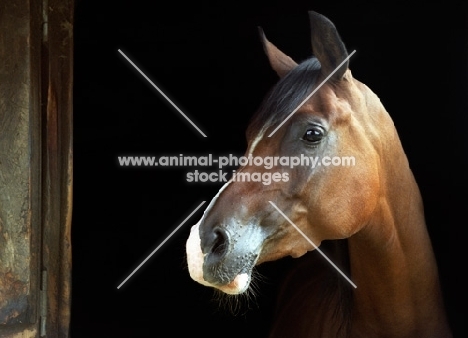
(195, 258)
(239, 285)
(298, 254)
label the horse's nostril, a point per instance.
(220, 244)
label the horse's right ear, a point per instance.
(327, 45)
(280, 62)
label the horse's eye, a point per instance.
(313, 135)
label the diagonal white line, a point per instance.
(161, 92)
(160, 245)
(315, 246)
(310, 95)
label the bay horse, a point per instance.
(370, 215)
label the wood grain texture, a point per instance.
(36, 67)
(57, 165)
(15, 170)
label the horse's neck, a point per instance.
(393, 265)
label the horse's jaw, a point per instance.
(195, 259)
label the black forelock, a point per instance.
(285, 96)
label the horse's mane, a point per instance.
(285, 96)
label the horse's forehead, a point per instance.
(326, 104)
(330, 103)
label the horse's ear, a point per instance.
(327, 45)
(280, 62)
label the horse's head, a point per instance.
(240, 228)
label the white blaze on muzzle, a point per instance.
(195, 256)
(195, 259)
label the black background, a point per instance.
(206, 56)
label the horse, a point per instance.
(369, 216)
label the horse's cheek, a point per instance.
(345, 212)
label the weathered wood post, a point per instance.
(36, 72)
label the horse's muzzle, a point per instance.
(218, 259)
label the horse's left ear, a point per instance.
(280, 62)
(327, 45)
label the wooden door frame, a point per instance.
(41, 35)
